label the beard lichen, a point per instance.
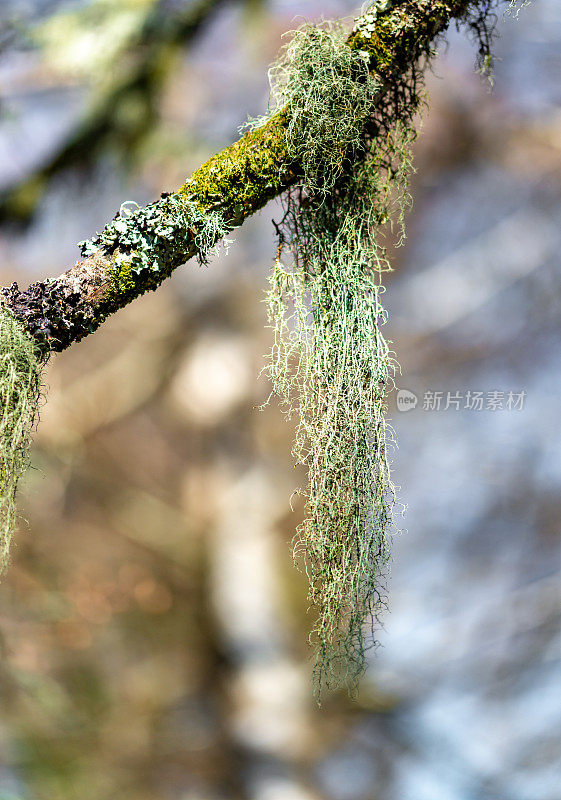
(330, 363)
(21, 365)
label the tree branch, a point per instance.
(237, 182)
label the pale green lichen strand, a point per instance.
(21, 366)
(330, 363)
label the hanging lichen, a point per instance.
(330, 363)
(21, 364)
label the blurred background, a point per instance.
(153, 630)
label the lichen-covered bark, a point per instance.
(238, 181)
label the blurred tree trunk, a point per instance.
(104, 127)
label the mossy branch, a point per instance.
(230, 186)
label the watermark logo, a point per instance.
(406, 400)
(469, 400)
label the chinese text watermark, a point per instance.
(468, 400)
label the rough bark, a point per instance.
(238, 181)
